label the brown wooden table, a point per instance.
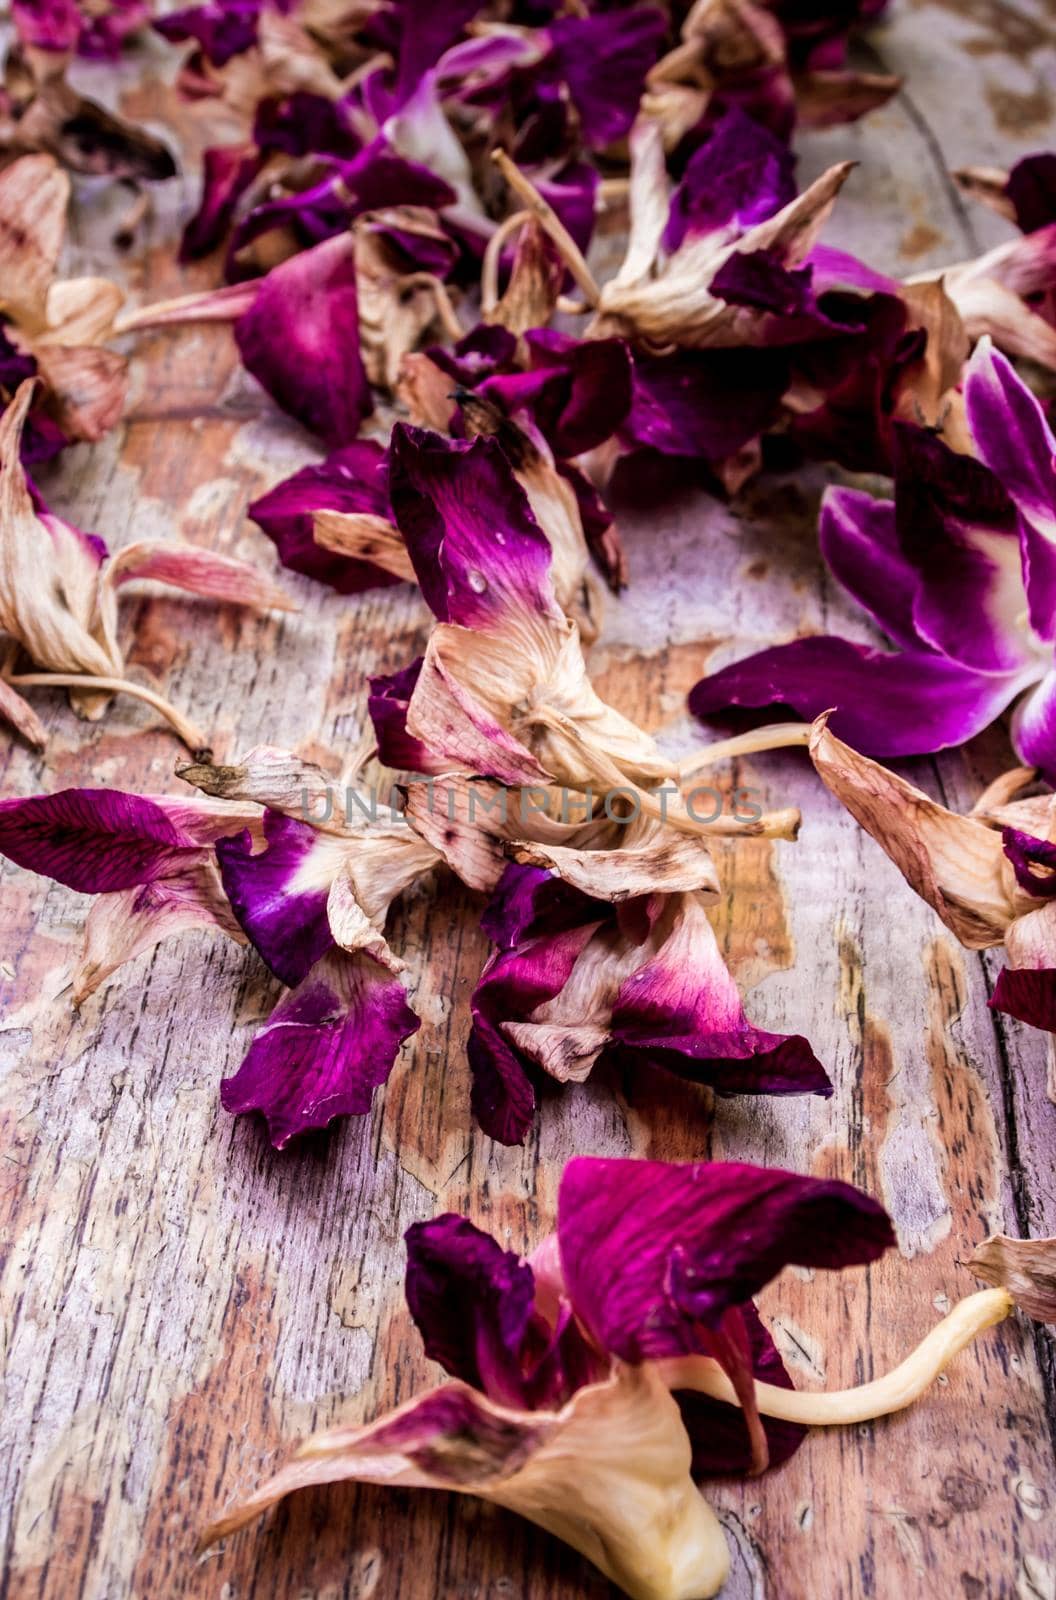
(180, 1301)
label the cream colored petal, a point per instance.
(609, 1474)
(954, 863)
(276, 778)
(34, 195)
(81, 311)
(49, 571)
(87, 385)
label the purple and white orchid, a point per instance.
(593, 1382)
(959, 571)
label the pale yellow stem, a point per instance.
(568, 249)
(444, 308)
(192, 737)
(898, 1389)
(489, 269)
(774, 736)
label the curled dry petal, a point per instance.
(955, 863)
(200, 572)
(88, 386)
(364, 537)
(1025, 1267)
(271, 777)
(608, 1473)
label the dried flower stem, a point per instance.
(207, 305)
(775, 736)
(192, 737)
(898, 1389)
(568, 249)
(444, 308)
(489, 270)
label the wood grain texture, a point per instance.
(180, 1302)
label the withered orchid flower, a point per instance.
(253, 862)
(594, 1381)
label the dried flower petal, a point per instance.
(1025, 1267)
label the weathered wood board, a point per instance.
(179, 1300)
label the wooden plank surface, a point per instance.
(179, 1301)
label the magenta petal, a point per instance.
(682, 1011)
(740, 175)
(1034, 727)
(887, 704)
(1026, 853)
(53, 25)
(708, 403)
(717, 1431)
(1013, 438)
(477, 549)
(859, 540)
(474, 1305)
(94, 840)
(958, 527)
(325, 1048)
(282, 917)
(652, 1251)
(300, 340)
(1028, 994)
(354, 478)
(1031, 187)
(227, 172)
(220, 28)
(390, 695)
(604, 60)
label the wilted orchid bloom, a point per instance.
(604, 949)
(959, 571)
(722, 266)
(770, 62)
(594, 1381)
(59, 588)
(503, 689)
(310, 896)
(989, 876)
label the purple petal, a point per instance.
(708, 403)
(279, 896)
(958, 527)
(652, 1251)
(1028, 994)
(477, 549)
(94, 840)
(604, 60)
(577, 391)
(390, 695)
(48, 24)
(1025, 853)
(717, 1432)
(325, 1048)
(305, 124)
(352, 479)
(541, 926)
(1031, 187)
(681, 1011)
(227, 172)
(474, 1305)
(425, 33)
(1034, 727)
(220, 28)
(300, 340)
(738, 177)
(887, 704)
(859, 540)
(1012, 437)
